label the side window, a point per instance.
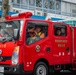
(35, 31)
(60, 30)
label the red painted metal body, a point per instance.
(28, 55)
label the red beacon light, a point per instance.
(25, 15)
(20, 15)
(8, 17)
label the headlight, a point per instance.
(15, 56)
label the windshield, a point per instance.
(7, 28)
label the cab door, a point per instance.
(35, 47)
(61, 44)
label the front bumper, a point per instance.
(15, 70)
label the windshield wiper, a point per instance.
(5, 31)
(7, 39)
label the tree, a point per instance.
(5, 8)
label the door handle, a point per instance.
(48, 49)
(67, 49)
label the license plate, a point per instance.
(2, 69)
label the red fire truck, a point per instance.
(23, 51)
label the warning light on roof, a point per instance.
(8, 17)
(20, 15)
(26, 15)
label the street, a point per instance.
(63, 74)
(58, 74)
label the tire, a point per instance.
(40, 69)
(74, 72)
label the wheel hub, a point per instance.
(41, 70)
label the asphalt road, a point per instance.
(63, 74)
(60, 73)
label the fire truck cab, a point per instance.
(36, 46)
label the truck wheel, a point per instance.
(40, 69)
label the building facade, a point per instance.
(58, 9)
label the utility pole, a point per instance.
(5, 8)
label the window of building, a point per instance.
(51, 4)
(60, 30)
(45, 3)
(12, 1)
(16, 1)
(58, 5)
(39, 3)
(64, 7)
(24, 3)
(44, 14)
(36, 31)
(32, 2)
(38, 14)
(69, 7)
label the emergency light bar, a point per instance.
(20, 15)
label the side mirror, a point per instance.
(16, 34)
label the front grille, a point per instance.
(4, 58)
